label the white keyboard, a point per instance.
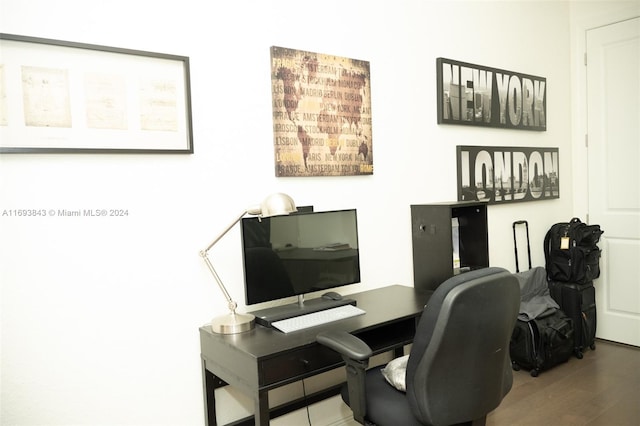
(317, 318)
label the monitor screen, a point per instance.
(301, 253)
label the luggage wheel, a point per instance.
(535, 372)
(515, 366)
(579, 354)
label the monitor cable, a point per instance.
(306, 403)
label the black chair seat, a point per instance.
(385, 404)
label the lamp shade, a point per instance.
(277, 204)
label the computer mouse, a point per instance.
(332, 295)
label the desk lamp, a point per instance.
(274, 205)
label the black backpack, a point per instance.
(571, 252)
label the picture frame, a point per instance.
(67, 97)
(322, 116)
(503, 175)
(476, 95)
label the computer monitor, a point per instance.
(293, 255)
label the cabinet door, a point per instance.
(432, 245)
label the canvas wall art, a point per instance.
(476, 95)
(321, 114)
(501, 175)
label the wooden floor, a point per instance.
(602, 389)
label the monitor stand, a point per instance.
(268, 316)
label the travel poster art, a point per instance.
(321, 114)
(500, 175)
(476, 95)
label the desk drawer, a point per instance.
(294, 365)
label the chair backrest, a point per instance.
(459, 367)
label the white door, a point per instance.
(613, 122)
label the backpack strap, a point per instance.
(546, 247)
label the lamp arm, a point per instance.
(230, 302)
(204, 252)
(205, 256)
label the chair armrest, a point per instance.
(355, 354)
(347, 345)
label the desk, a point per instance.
(264, 358)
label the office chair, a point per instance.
(458, 368)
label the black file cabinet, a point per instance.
(432, 234)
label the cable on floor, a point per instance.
(304, 395)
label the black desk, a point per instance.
(264, 358)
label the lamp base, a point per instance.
(233, 323)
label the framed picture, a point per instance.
(322, 122)
(475, 95)
(500, 175)
(60, 96)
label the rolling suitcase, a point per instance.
(543, 334)
(578, 301)
(515, 241)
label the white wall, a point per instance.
(100, 316)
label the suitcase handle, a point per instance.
(515, 243)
